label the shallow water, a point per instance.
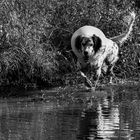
(108, 114)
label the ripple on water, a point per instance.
(111, 113)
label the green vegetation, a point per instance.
(35, 38)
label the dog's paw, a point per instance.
(90, 89)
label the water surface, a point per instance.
(108, 114)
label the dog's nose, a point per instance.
(85, 53)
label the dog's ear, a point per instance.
(78, 41)
(97, 43)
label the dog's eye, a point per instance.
(83, 44)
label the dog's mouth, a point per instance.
(86, 58)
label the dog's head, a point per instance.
(88, 46)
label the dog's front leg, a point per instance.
(88, 83)
(82, 69)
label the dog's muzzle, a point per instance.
(86, 57)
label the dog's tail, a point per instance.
(123, 37)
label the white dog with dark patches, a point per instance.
(91, 47)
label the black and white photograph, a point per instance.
(69, 69)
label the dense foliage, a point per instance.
(35, 38)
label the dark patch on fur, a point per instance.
(98, 43)
(78, 41)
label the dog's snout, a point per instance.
(86, 56)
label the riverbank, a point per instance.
(41, 93)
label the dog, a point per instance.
(92, 48)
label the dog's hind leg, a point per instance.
(109, 63)
(98, 73)
(110, 69)
(111, 73)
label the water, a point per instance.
(110, 114)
